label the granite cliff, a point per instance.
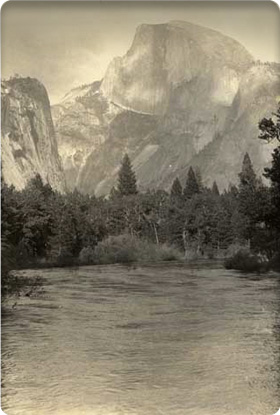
(182, 95)
(28, 138)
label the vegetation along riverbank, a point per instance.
(41, 227)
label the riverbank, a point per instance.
(122, 249)
(247, 261)
(127, 249)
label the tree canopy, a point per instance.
(127, 184)
(192, 186)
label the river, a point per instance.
(143, 340)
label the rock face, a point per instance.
(28, 138)
(166, 56)
(82, 122)
(182, 95)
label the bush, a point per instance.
(18, 285)
(168, 253)
(127, 248)
(65, 259)
(235, 248)
(86, 256)
(243, 260)
(274, 263)
(115, 249)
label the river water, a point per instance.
(144, 340)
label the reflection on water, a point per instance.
(172, 340)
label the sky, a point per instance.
(66, 44)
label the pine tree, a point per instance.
(176, 192)
(174, 216)
(198, 176)
(247, 187)
(127, 180)
(248, 204)
(232, 190)
(192, 186)
(247, 176)
(36, 199)
(270, 131)
(114, 194)
(215, 189)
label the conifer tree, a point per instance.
(270, 131)
(113, 193)
(247, 176)
(232, 190)
(175, 215)
(247, 187)
(198, 176)
(127, 180)
(36, 199)
(176, 192)
(192, 186)
(215, 189)
(248, 204)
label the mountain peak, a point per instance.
(182, 95)
(162, 56)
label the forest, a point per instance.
(41, 227)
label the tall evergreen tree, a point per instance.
(247, 187)
(192, 186)
(248, 200)
(215, 189)
(36, 199)
(270, 131)
(127, 180)
(247, 176)
(175, 215)
(198, 176)
(232, 190)
(176, 192)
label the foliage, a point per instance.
(274, 263)
(127, 179)
(192, 185)
(87, 256)
(244, 260)
(126, 248)
(270, 131)
(215, 189)
(40, 225)
(116, 249)
(176, 192)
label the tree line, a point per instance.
(40, 224)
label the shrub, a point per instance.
(65, 258)
(86, 256)
(127, 248)
(274, 263)
(116, 249)
(168, 253)
(235, 248)
(243, 260)
(17, 285)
